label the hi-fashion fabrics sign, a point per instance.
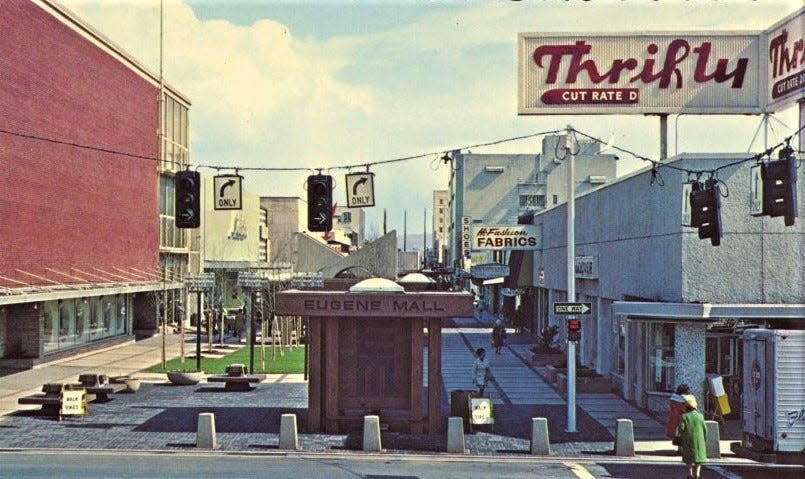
(495, 237)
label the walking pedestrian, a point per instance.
(692, 434)
(480, 371)
(498, 336)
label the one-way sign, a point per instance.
(572, 308)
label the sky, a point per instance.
(319, 84)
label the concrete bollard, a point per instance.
(455, 435)
(624, 437)
(540, 446)
(205, 433)
(713, 440)
(289, 439)
(371, 433)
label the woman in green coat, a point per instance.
(692, 434)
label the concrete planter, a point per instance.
(585, 384)
(185, 378)
(546, 359)
(132, 385)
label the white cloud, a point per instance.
(263, 97)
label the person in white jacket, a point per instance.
(480, 371)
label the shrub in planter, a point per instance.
(545, 343)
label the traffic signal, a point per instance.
(705, 203)
(187, 188)
(319, 203)
(574, 330)
(780, 186)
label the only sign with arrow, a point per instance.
(227, 192)
(360, 190)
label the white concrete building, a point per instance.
(668, 307)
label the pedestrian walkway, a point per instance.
(161, 416)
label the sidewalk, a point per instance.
(161, 416)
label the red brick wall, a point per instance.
(64, 206)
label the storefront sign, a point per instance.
(395, 305)
(466, 239)
(516, 237)
(489, 271)
(586, 267)
(628, 73)
(785, 43)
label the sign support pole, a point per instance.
(199, 315)
(571, 278)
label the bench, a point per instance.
(51, 399)
(237, 378)
(98, 386)
(235, 383)
(102, 393)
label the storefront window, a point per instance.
(50, 335)
(96, 319)
(72, 322)
(620, 333)
(121, 316)
(66, 322)
(110, 311)
(661, 357)
(82, 314)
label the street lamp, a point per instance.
(199, 283)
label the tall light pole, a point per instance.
(571, 275)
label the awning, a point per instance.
(649, 311)
(89, 290)
(521, 266)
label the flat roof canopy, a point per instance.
(706, 311)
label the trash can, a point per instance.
(460, 406)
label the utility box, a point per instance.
(774, 390)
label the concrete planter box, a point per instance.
(546, 359)
(185, 378)
(585, 384)
(552, 373)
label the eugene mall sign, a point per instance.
(623, 73)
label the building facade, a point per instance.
(285, 216)
(668, 307)
(81, 264)
(505, 189)
(441, 224)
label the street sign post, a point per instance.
(572, 308)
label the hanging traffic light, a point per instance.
(705, 203)
(780, 186)
(319, 203)
(187, 187)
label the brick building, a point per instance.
(87, 223)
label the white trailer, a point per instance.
(774, 390)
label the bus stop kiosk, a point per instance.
(366, 352)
